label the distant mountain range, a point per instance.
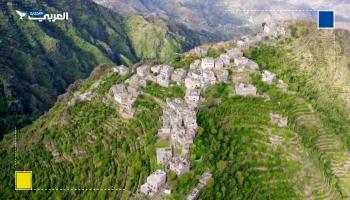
(230, 18)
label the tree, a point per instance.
(221, 165)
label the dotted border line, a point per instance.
(15, 148)
(273, 10)
(101, 189)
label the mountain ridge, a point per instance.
(84, 141)
(40, 60)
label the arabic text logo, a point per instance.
(41, 16)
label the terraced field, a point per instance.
(98, 153)
(254, 159)
(323, 143)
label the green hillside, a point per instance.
(40, 60)
(87, 143)
(86, 150)
(159, 39)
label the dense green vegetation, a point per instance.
(253, 159)
(182, 61)
(174, 91)
(215, 53)
(88, 145)
(84, 146)
(280, 60)
(159, 39)
(40, 60)
(235, 145)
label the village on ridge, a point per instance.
(179, 122)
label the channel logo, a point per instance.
(41, 16)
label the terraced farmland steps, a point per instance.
(327, 143)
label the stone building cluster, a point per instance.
(179, 123)
(154, 184)
(179, 118)
(273, 29)
(125, 94)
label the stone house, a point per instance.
(195, 64)
(241, 61)
(222, 75)
(179, 165)
(242, 45)
(181, 138)
(274, 29)
(166, 70)
(246, 90)
(208, 79)
(133, 91)
(118, 91)
(190, 121)
(192, 83)
(268, 77)
(164, 133)
(193, 95)
(179, 76)
(252, 65)
(88, 96)
(126, 105)
(205, 177)
(208, 63)
(156, 69)
(121, 70)
(136, 81)
(194, 73)
(155, 182)
(234, 53)
(219, 64)
(163, 79)
(163, 155)
(225, 59)
(194, 194)
(199, 51)
(143, 71)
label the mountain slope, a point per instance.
(84, 144)
(87, 140)
(40, 60)
(156, 38)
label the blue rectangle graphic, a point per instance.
(325, 19)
